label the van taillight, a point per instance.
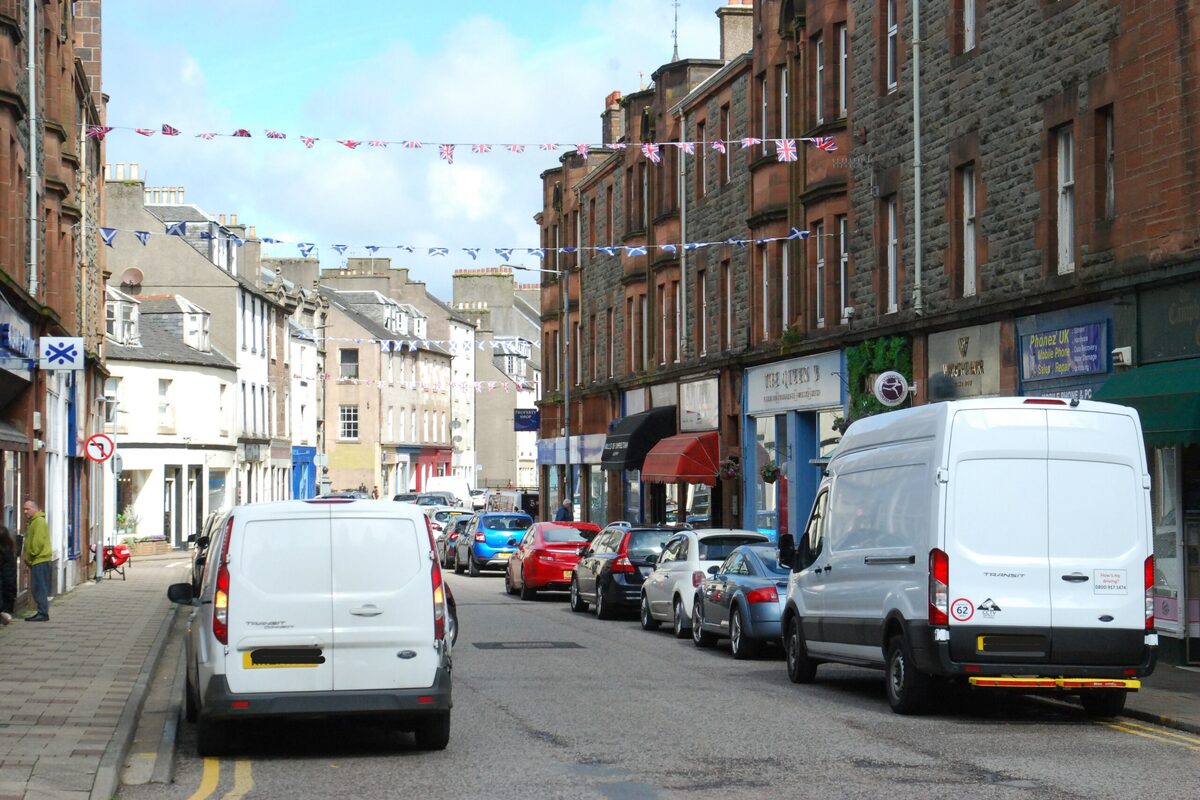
(1149, 578)
(439, 592)
(220, 624)
(939, 587)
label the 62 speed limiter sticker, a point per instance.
(962, 609)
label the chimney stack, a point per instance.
(133, 171)
(220, 219)
(120, 170)
(180, 195)
(233, 219)
(737, 28)
(251, 233)
(613, 119)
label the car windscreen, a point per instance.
(769, 557)
(562, 533)
(517, 522)
(647, 543)
(718, 548)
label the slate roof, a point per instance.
(163, 346)
(373, 328)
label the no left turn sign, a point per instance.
(99, 447)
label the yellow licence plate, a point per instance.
(566, 573)
(503, 555)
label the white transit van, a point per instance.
(319, 607)
(1002, 542)
(454, 485)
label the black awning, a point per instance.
(634, 435)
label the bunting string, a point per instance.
(785, 149)
(439, 387)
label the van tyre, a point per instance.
(700, 637)
(680, 625)
(578, 604)
(603, 609)
(212, 738)
(907, 687)
(1104, 703)
(649, 623)
(434, 733)
(740, 644)
(800, 668)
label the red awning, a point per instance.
(687, 458)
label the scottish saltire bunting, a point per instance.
(439, 251)
(142, 236)
(305, 249)
(505, 252)
(177, 229)
(373, 249)
(108, 234)
(473, 252)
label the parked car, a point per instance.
(406, 497)
(377, 588)
(201, 540)
(743, 600)
(611, 568)
(976, 540)
(485, 543)
(686, 558)
(479, 498)
(436, 499)
(447, 544)
(441, 517)
(348, 494)
(545, 557)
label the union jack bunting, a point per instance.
(549, 147)
(108, 234)
(308, 141)
(305, 249)
(515, 148)
(276, 135)
(206, 136)
(97, 131)
(824, 143)
(582, 149)
(350, 143)
(718, 145)
(620, 145)
(177, 229)
(146, 131)
(412, 144)
(446, 152)
(340, 248)
(650, 151)
(242, 133)
(785, 149)
(167, 130)
(750, 141)
(142, 236)
(377, 143)
(687, 147)
(439, 251)
(481, 148)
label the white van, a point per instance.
(319, 607)
(454, 485)
(1004, 542)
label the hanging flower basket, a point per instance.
(729, 469)
(770, 472)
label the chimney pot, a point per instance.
(133, 170)
(220, 219)
(233, 219)
(181, 195)
(120, 170)
(253, 234)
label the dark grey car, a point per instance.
(742, 600)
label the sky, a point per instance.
(466, 71)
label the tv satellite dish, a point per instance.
(132, 277)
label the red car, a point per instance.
(545, 556)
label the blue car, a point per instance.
(485, 544)
(742, 599)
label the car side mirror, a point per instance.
(714, 569)
(180, 593)
(192, 537)
(787, 549)
(202, 541)
(652, 559)
(581, 552)
(512, 542)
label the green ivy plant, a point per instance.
(791, 335)
(871, 358)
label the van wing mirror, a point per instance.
(202, 541)
(787, 549)
(180, 593)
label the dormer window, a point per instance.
(195, 325)
(121, 318)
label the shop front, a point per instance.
(625, 448)
(1164, 387)
(589, 481)
(967, 359)
(304, 473)
(790, 408)
(1065, 353)
(687, 465)
(17, 347)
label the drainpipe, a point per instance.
(683, 319)
(31, 58)
(918, 301)
(565, 367)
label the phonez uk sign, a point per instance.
(800, 383)
(1064, 352)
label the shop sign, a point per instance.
(698, 405)
(525, 419)
(1169, 323)
(968, 356)
(1065, 352)
(891, 388)
(664, 394)
(809, 382)
(61, 352)
(15, 342)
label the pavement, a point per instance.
(72, 690)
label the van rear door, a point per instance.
(280, 618)
(1098, 511)
(382, 602)
(996, 535)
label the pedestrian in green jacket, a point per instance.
(36, 555)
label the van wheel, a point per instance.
(907, 687)
(741, 645)
(434, 733)
(649, 623)
(1103, 703)
(800, 668)
(578, 604)
(508, 587)
(603, 611)
(212, 738)
(190, 706)
(700, 637)
(472, 566)
(680, 626)
(458, 568)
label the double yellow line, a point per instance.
(1161, 735)
(243, 780)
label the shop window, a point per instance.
(1168, 570)
(598, 496)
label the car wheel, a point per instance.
(458, 567)
(526, 592)
(508, 587)
(434, 733)
(700, 637)
(578, 604)
(190, 706)
(212, 738)
(472, 565)
(603, 611)
(907, 687)
(682, 628)
(741, 645)
(649, 623)
(1103, 703)
(800, 668)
